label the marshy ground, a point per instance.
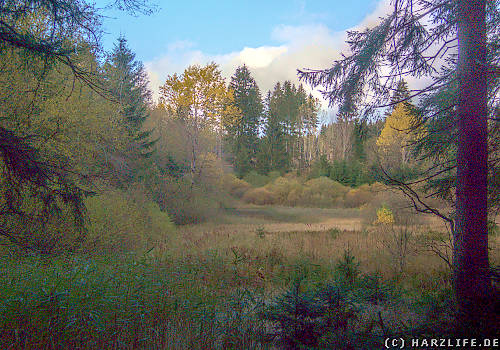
(226, 283)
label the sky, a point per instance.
(273, 38)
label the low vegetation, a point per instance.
(280, 281)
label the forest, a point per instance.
(221, 216)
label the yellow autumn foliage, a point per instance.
(384, 216)
(399, 130)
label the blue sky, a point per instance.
(224, 26)
(272, 37)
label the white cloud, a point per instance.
(308, 46)
(260, 57)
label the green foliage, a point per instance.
(329, 315)
(290, 116)
(243, 134)
(121, 222)
(261, 233)
(255, 179)
(350, 173)
(128, 81)
(51, 145)
(320, 167)
(294, 313)
(98, 303)
(348, 267)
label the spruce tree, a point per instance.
(276, 129)
(244, 135)
(128, 82)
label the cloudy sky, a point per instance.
(273, 38)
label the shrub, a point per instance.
(119, 223)
(236, 187)
(357, 197)
(260, 196)
(273, 175)
(31, 221)
(393, 199)
(295, 317)
(255, 179)
(281, 187)
(186, 200)
(348, 267)
(294, 196)
(210, 175)
(322, 192)
(384, 216)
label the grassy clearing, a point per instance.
(230, 285)
(253, 214)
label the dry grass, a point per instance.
(261, 235)
(183, 295)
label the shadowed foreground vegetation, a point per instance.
(274, 283)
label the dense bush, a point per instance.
(282, 186)
(329, 316)
(322, 192)
(236, 187)
(43, 229)
(255, 179)
(193, 197)
(187, 201)
(260, 196)
(120, 222)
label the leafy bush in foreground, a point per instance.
(120, 222)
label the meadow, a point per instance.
(254, 277)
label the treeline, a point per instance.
(207, 130)
(283, 132)
(84, 146)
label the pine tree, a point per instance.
(128, 82)
(276, 131)
(244, 134)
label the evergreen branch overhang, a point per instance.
(417, 39)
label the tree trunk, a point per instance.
(471, 266)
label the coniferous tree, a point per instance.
(244, 134)
(275, 142)
(128, 82)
